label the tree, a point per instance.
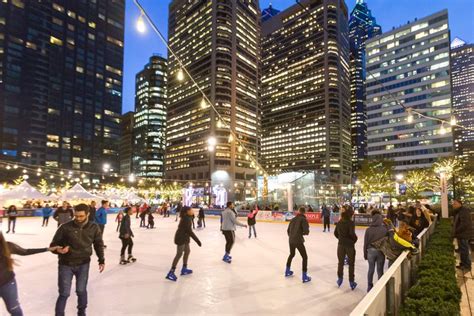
(375, 176)
(18, 180)
(419, 181)
(43, 186)
(459, 174)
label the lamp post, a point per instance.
(398, 178)
(211, 142)
(357, 183)
(444, 193)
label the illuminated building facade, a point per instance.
(305, 91)
(462, 77)
(149, 127)
(362, 26)
(126, 143)
(61, 83)
(219, 44)
(412, 64)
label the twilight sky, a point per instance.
(389, 13)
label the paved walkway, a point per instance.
(466, 284)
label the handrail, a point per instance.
(379, 291)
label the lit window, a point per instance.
(55, 41)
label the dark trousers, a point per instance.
(302, 250)
(254, 231)
(142, 222)
(229, 240)
(342, 252)
(179, 252)
(9, 294)
(463, 245)
(126, 243)
(65, 275)
(375, 258)
(45, 220)
(11, 220)
(118, 226)
(327, 222)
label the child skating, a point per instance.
(126, 236)
(182, 240)
(298, 228)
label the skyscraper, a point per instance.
(126, 143)
(462, 80)
(411, 64)
(219, 44)
(305, 91)
(362, 26)
(61, 82)
(149, 128)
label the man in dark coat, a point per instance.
(462, 231)
(297, 228)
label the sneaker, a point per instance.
(339, 282)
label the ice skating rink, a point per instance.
(253, 284)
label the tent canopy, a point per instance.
(23, 191)
(77, 192)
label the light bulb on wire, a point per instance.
(453, 121)
(180, 75)
(141, 27)
(203, 103)
(410, 116)
(442, 130)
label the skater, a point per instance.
(178, 210)
(92, 210)
(298, 228)
(77, 238)
(229, 221)
(12, 214)
(462, 231)
(63, 214)
(326, 214)
(8, 285)
(126, 236)
(251, 221)
(345, 233)
(151, 221)
(101, 217)
(182, 239)
(46, 214)
(375, 257)
(164, 209)
(201, 218)
(118, 219)
(142, 217)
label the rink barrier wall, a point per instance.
(388, 293)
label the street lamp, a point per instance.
(357, 183)
(141, 27)
(399, 177)
(211, 142)
(106, 167)
(443, 183)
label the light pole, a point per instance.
(357, 183)
(398, 177)
(444, 193)
(211, 142)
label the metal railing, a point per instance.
(387, 295)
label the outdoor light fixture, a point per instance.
(453, 121)
(25, 176)
(410, 116)
(203, 103)
(442, 130)
(231, 138)
(131, 178)
(141, 27)
(211, 141)
(180, 75)
(399, 177)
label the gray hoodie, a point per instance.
(229, 220)
(376, 231)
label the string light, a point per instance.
(442, 130)
(180, 75)
(231, 138)
(141, 27)
(410, 115)
(203, 103)
(453, 121)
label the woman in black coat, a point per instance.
(126, 235)
(182, 240)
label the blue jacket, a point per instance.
(101, 216)
(47, 211)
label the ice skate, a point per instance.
(306, 278)
(288, 272)
(186, 271)
(171, 276)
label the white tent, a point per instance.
(23, 191)
(77, 192)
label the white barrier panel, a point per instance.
(265, 215)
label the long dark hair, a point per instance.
(11, 208)
(5, 253)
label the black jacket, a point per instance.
(5, 275)
(251, 220)
(376, 231)
(92, 211)
(125, 227)
(297, 228)
(345, 232)
(80, 241)
(418, 223)
(201, 214)
(185, 231)
(63, 215)
(462, 224)
(12, 213)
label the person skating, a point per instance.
(119, 219)
(345, 233)
(251, 221)
(228, 225)
(46, 214)
(143, 215)
(179, 206)
(77, 237)
(151, 220)
(375, 257)
(101, 217)
(201, 218)
(298, 228)
(12, 213)
(326, 215)
(63, 214)
(92, 211)
(182, 240)
(8, 284)
(126, 236)
(462, 231)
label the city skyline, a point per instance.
(138, 47)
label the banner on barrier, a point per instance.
(279, 217)
(264, 215)
(313, 217)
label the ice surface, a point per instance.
(253, 284)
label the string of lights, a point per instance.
(205, 102)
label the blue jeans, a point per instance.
(65, 275)
(464, 253)
(250, 231)
(9, 293)
(374, 257)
